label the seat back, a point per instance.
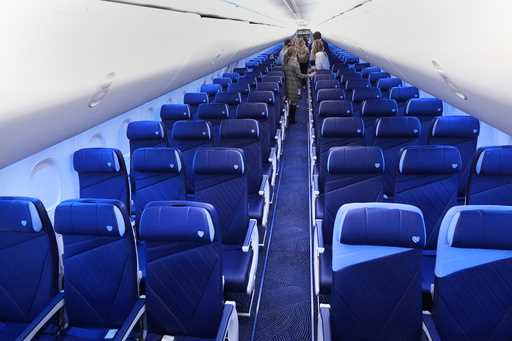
(30, 262)
(360, 66)
(335, 94)
(360, 95)
(232, 99)
(100, 262)
(352, 84)
(461, 132)
(220, 179)
(242, 88)
(385, 85)
(426, 109)
(392, 134)
(274, 109)
(143, 134)
(184, 291)
(224, 82)
(102, 174)
(240, 70)
(268, 86)
(245, 135)
(232, 75)
(326, 84)
(354, 174)
(249, 81)
(193, 100)
(157, 175)
(345, 76)
(490, 180)
(273, 79)
(211, 90)
(259, 112)
(374, 77)
(372, 110)
(376, 290)
(170, 113)
(428, 178)
(187, 137)
(332, 108)
(214, 113)
(368, 70)
(402, 95)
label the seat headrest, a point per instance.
(429, 160)
(96, 160)
(257, 111)
(219, 161)
(228, 98)
(456, 127)
(330, 94)
(272, 79)
(191, 130)
(19, 214)
(224, 81)
(481, 228)
(240, 129)
(242, 88)
(211, 89)
(268, 86)
(240, 70)
(367, 70)
(336, 127)
(173, 112)
(352, 84)
(494, 161)
(375, 76)
(355, 159)
(260, 96)
(168, 223)
(388, 83)
(424, 107)
(404, 93)
(398, 126)
(145, 130)
(345, 76)
(195, 98)
(335, 108)
(157, 160)
(91, 217)
(327, 84)
(363, 94)
(382, 224)
(232, 75)
(379, 107)
(213, 111)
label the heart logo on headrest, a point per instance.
(157, 133)
(454, 165)
(109, 164)
(415, 239)
(23, 223)
(172, 165)
(235, 166)
(109, 228)
(377, 164)
(200, 234)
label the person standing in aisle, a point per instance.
(294, 78)
(321, 58)
(283, 51)
(302, 58)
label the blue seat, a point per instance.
(224, 82)
(274, 87)
(426, 109)
(184, 261)
(274, 107)
(386, 84)
(374, 77)
(101, 275)
(473, 273)
(232, 75)
(376, 266)
(328, 84)
(249, 81)
(30, 268)
(273, 79)
(372, 110)
(143, 134)
(242, 88)
(491, 177)
(368, 70)
(360, 66)
(352, 84)
(461, 132)
(402, 95)
(276, 73)
(170, 113)
(157, 175)
(322, 77)
(360, 95)
(232, 99)
(211, 90)
(328, 108)
(428, 178)
(354, 174)
(220, 179)
(102, 174)
(193, 100)
(187, 137)
(214, 113)
(334, 94)
(392, 134)
(349, 75)
(240, 70)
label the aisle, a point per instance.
(284, 311)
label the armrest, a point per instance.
(43, 317)
(253, 223)
(129, 323)
(325, 320)
(316, 190)
(263, 185)
(279, 143)
(429, 327)
(228, 322)
(320, 236)
(272, 157)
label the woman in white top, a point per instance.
(321, 59)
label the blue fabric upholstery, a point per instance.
(242, 88)
(259, 112)
(385, 85)
(461, 132)
(426, 109)
(143, 134)
(224, 82)
(352, 84)
(193, 99)
(273, 105)
(157, 175)
(330, 94)
(491, 177)
(376, 263)
(472, 297)
(392, 134)
(232, 99)
(360, 66)
(184, 294)
(374, 77)
(372, 109)
(349, 75)
(211, 90)
(402, 95)
(232, 75)
(30, 263)
(240, 70)
(331, 108)
(170, 113)
(102, 174)
(268, 86)
(368, 70)
(187, 137)
(360, 95)
(326, 84)
(100, 263)
(214, 113)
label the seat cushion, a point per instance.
(320, 207)
(255, 208)
(326, 270)
(237, 265)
